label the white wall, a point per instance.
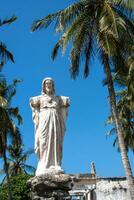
(111, 190)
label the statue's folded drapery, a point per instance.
(49, 115)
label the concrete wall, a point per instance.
(111, 190)
(94, 188)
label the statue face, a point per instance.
(49, 86)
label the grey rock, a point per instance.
(50, 187)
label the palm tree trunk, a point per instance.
(7, 175)
(122, 147)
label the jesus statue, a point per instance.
(49, 116)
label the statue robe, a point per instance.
(49, 116)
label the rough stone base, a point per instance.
(50, 187)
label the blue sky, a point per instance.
(85, 138)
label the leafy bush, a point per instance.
(19, 188)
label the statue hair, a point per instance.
(43, 85)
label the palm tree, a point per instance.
(5, 54)
(101, 25)
(125, 106)
(17, 160)
(7, 125)
(125, 99)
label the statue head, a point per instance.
(48, 86)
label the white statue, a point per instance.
(49, 116)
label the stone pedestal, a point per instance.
(50, 187)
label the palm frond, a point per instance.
(75, 62)
(10, 90)
(45, 22)
(56, 48)
(4, 118)
(82, 46)
(29, 168)
(61, 18)
(26, 155)
(111, 132)
(108, 20)
(14, 112)
(3, 102)
(88, 53)
(5, 54)
(8, 21)
(68, 16)
(129, 23)
(11, 128)
(128, 4)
